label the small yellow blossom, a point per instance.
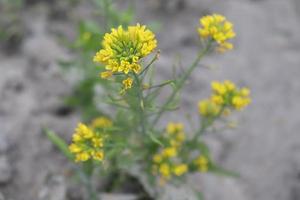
(81, 157)
(169, 152)
(217, 99)
(101, 122)
(226, 95)
(86, 144)
(218, 87)
(99, 155)
(106, 74)
(180, 169)
(157, 158)
(239, 102)
(127, 83)
(217, 28)
(208, 108)
(165, 170)
(174, 128)
(230, 86)
(74, 148)
(202, 163)
(245, 92)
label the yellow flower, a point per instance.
(180, 169)
(226, 95)
(81, 157)
(174, 128)
(218, 87)
(217, 99)
(127, 83)
(245, 92)
(97, 142)
(202, 163)
(74, 148)
(124, 48)
(169, 152)
(230, 86)
(99, 155)
(106, 74)
(217, 28)
(208, 108)
(157, 158)
(239, 102)
(101, 122)
(165, 170)
(86, 144)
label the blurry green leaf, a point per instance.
(59, 143)
(154, 139)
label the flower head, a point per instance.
(218, 29)
(226, 94)
(124, 48)
(208, 108)
(167, 161)
(87, 144)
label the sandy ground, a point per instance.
(264, 148)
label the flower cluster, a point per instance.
(87, 144)
(225, 96)
(166, 162)
(123, 49)
(218, 29)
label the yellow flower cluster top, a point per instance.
(87, 143)
(166, 163)
(218, 29)
(225, 96)
(123, 49)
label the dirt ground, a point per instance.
(264, 148)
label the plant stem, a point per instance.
(180, 83)
(141, 102)
(207, 123)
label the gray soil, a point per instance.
(264, 148)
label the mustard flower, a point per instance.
(174, 128)
(169, 152)
(127, 83)
(123, 49)
(218, 29)
(180, 169)
(87, 144)
(165, 170)
(166, 162)
(226, 94)
(208, 108)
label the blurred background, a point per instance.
(264, 146)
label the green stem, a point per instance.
(181, 82)
(88, 169)
(205, 123)
(141, 102)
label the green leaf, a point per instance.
(59, 143)
(155, 139)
